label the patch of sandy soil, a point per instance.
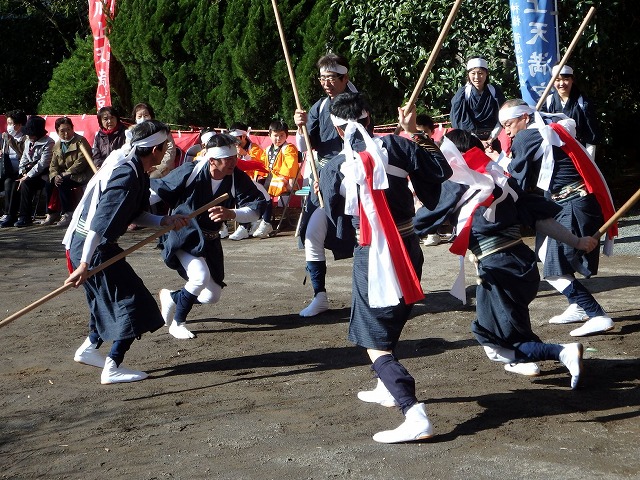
(262, 393)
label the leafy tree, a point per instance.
(397, 36)
(36, 35)
(73, 85)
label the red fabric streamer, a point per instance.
(593, 181)
(476, 160)
(407, 278)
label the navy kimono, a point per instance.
(476, 112)
(121, 306)
(509, 276)
(580, 212)
(581, 110)
(380, 328)
(199, 238)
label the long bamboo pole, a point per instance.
(432, 60)
(296, 95)
(87, 155)
(621, 211)
(109, 262)
(566, 56)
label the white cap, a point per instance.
(565, 70)
(477, 63)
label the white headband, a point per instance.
(206, 137)
(236, 132)
(477, 63)
(337, 121)
(150, 141)
(335, 68)
(514, 112)
(565, 70)
(221, 152)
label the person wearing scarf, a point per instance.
(196, 250)
(366, 188)
(69, 168)
(121, 307)
(475, 105)
(548, 159)
(110, 137)
(568, 99)
(489, 208)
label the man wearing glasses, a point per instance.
(314, 231)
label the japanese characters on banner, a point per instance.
(535, 38)
(101, 47)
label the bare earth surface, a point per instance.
(262, 393)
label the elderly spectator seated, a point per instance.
(69, 170)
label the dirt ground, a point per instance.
(262, 393)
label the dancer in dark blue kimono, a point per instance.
(489, 208)
(556, 165)
(568, 99)
(121, 307)
(475, 106)
(196, 250)
(366, 187)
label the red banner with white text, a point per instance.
(99, 12)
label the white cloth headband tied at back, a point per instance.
(565, 70)
(206, 137)
(477, 63)
(337, 121)
(150, 141)
(236, 132)
(514, 112)
(221, 152)
(335, 68)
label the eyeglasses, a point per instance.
(329, 78)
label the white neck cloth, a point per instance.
(481, 185)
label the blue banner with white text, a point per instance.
(535, 39)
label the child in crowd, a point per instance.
(281, 159)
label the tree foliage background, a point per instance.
(205, 62)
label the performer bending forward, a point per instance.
(367, 184)
(121, 307)
(488, 208)
(196, 250)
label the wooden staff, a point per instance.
(614, 218)
(292, 77)
(109, 262)
(431, 61)
(87, 155)
(566, 56)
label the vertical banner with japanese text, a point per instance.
(535, 38)
(98, 11)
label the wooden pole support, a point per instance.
(566, 56)
(294, 86)
(432, 60)
(621, 211)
